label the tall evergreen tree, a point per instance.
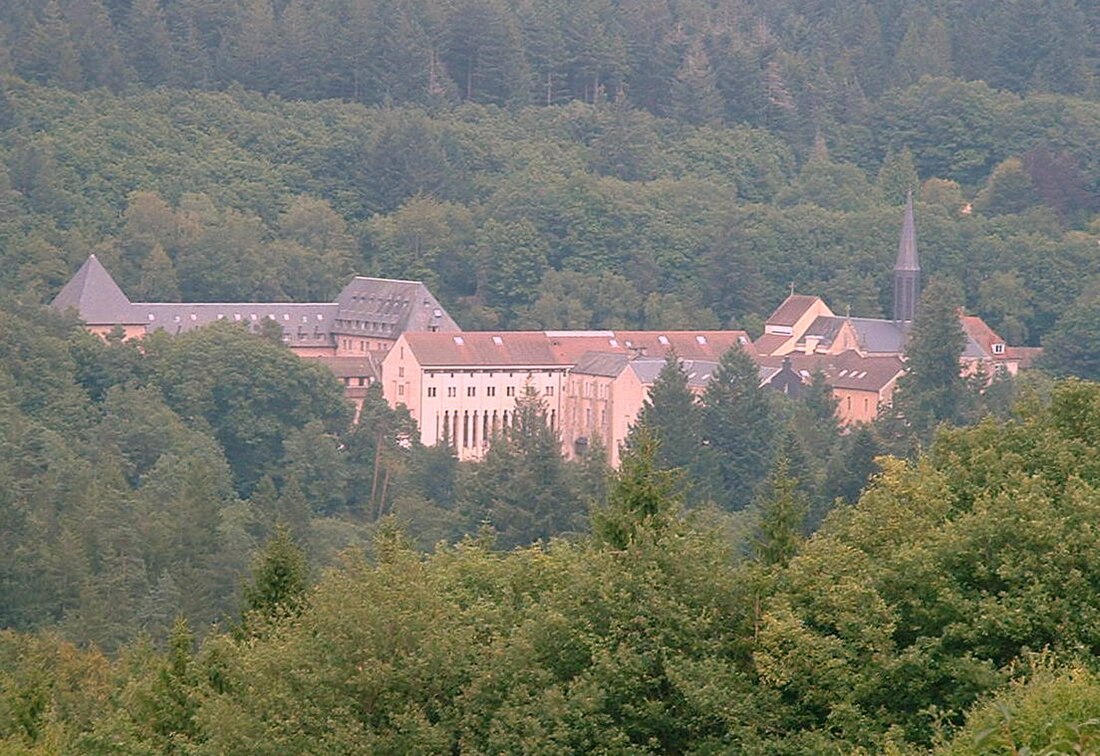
(738, 433)
(932, 389)
(783, 511)
(149, 44)
(643, 496)
(671, 416)
(280, 579)
(521, 488)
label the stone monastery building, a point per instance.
(461, 387)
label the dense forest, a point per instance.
(200, 552)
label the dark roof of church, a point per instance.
(881, 336)
(94, 295)
(907, 245)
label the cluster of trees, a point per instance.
(606, 164)
(137, 480)
(951, 610)
(576, 216)
(787, 64)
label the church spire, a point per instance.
(907, 268)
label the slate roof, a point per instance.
(907, 244)
(847, 370)
(386, 308)
(351, 367)
(881, 336)
(698, 372)
(304, 324)
(369, 307)
(824, 328)
(793, 308)
(605, 364)
(94, 295)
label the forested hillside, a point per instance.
(693, 160)
(200, 552)
(952, 610)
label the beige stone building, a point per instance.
(462, 388)
(862, 358)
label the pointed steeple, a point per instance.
(94, 295)
(907, 246)
(907, 268)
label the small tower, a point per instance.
(907, 269)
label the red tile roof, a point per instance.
(982, 335)
(565, 348)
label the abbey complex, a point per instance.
(461, 386)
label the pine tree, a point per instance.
(671, 416)
(521, 487)
(149, 46)
(737, 433)
(159, 282)
(897, 176)
(49, 55)
(280, 579)
(643, 497)
(694, 94)
(932, 389)
(782, 517)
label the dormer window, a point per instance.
(998, 349)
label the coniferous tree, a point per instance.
(643, 497)
(783, 511)
(149, 44)
(897, 176)
(521, 487)
(670, 414)
(738, 434)
(280, 578)
(932, 390)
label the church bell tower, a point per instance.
(907, 269)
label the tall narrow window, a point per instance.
(484, 428)
(473, 431)
(465, 429)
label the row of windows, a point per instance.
(490, 391)
(472, 429)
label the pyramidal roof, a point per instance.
(907, 246)
(94, 295)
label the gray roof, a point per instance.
(386, 308)
(368, 307)
(94, 295)
(907, 245)
(880, 336)
(606, 364)
(825, 328)
(303, 324)
(698, 372)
